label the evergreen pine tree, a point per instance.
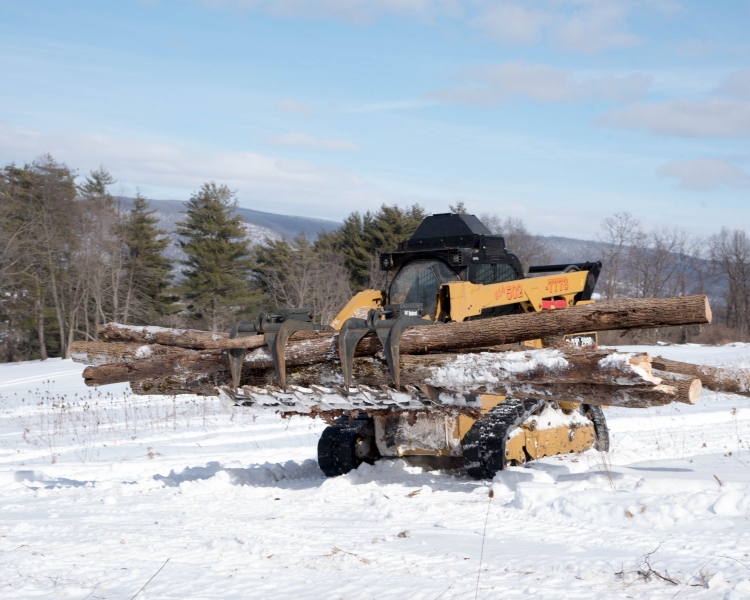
(94, 188)
(458, 208)
(217, 266)
(148, 271)
(362, 237)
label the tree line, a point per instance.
(668, 261)
(72, 259)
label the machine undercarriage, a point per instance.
(511, 433)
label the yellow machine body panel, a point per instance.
(358, 307)
(462, 299)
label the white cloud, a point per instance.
(509, 22)
(595, 28)
(357, 11)
(701, 118)
(738, 85)
(306, 140)
(392, 106)
(499, 83)
(264, 182)
(705, 174)
(294, 107)
(695, 47)
(584, 26)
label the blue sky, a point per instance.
(557, 112)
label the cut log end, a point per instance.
(687, 388)
(716, 379)
(694, 391)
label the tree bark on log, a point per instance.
(104, 353)
(612, 395)
(174, 385)
(193, 363)
(479, 371)
(193, 339)
(415, 369)
(713, 378)
(591, 377)
(613, 315)
(633, 396)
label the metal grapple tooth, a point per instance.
(344, 391)
(276, 330)
(237, 355)
(431, 392)
(351, 332)
(277, 340)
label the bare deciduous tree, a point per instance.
(530, 249)
(618, 235)
(730, 255)
(48, 197)
(378, 277)
(653, 260)
(295, 275)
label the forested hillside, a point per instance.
(73, 257)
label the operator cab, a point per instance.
(444, 248)
(420, 281)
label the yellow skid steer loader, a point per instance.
(451, 269)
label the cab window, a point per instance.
(420, 281)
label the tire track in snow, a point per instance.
(50, 376)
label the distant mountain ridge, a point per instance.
(259, 225)
(571, 250)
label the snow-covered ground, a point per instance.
(103, 492)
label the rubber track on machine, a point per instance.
(596, 414)
(336, 446)
(484, 444)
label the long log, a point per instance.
(601, 395)
(630, 313)
(371, 371)
(477, 372)
(610, 395)
(192, 363)
(633, 396)
(714, 378)
(593, 377)
(625, 314)
(183, 338)
(103, 353)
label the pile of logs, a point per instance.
(468, 357)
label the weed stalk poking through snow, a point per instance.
(484, 535)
